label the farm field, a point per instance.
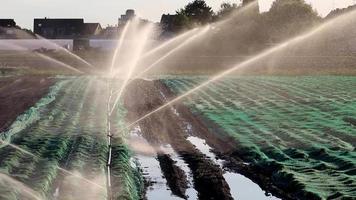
(299, 132)
(302, 130)
(196, 100)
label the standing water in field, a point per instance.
(241, 187)
(146, 160)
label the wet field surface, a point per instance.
(241, 138)
(302, 129)
(174, 136)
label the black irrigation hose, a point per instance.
(109, 135)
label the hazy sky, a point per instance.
(108, 11)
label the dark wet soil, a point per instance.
(175, 176)
(166, 128)
(350, 120)
(17, 94)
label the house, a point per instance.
(65, 28)
(58, 28)
(7, 23)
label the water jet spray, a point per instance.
(65, 50)
(45, 57)
(119, 46)
(132, 65)
(188, 41)
(59, 168)
(244, 64)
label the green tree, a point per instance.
(289, 17)
(196, 13)
(226, 9)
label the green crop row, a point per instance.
(66, 133)
(127, 180)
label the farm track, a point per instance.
(301, 129)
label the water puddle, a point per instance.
(244, 188)
(240, 186)
(158, 190)
(201, 145)
(191, 192)
(146, 160)
(56, 194)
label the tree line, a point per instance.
(285, 18)
(239, 31)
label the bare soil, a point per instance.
(17, 94)
(166, 128)
(174, 175)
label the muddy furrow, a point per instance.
(176, 177)
(164, 128)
